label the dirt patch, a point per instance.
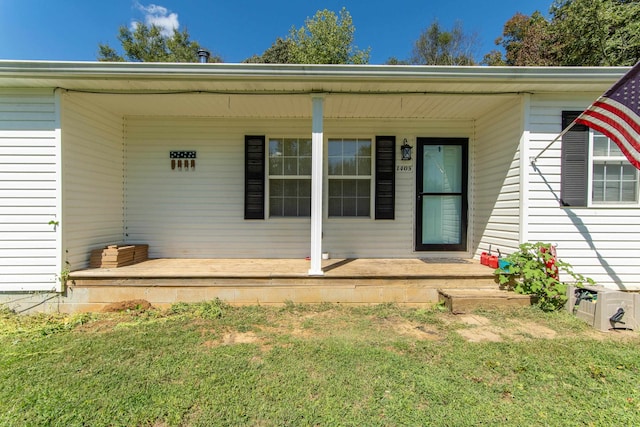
(481, 334)
(129, 305)
(239, 338)
(481, 329)
(233, 338)
(474, 320)
(534, 330)
(98, 326)
(409, 329)
(473, 327)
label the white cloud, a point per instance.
(159, 16)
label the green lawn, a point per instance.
(209, 364)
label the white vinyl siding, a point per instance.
(600, 242)
(199, 213)
(496, 178)
(370, 238)
(29, 177)
(93, 168)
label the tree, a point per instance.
(278, 53)
(527, 40)
(326, 38)
(597, 32)
(436, 46)
(493, 58)
(148, 44)
(579, 32)
(392, 60)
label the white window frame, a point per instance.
(270, 177)
(591, 161)
(369, 178)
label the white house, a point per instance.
(286, 161)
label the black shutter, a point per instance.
(385, 177)
(574, 166)
(254, 173)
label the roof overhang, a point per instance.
(390, 90)
(252, 78)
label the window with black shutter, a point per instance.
(385, 177)
(574, 162)
(254, 177)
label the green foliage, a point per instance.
(278, 53)
(526, 41)
(213, 309)
(326, 38)
(436, 46)
(494, 59)
(30, 326)
(531, 272)
(148, 44)
(596, 32)
(578, 33)
(395, 61)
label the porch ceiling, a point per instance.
(389, 106)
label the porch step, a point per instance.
(465, 300)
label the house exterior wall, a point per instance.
(93, 170)
(496, 178)
(206, 204)
(29, 190)
(601, 243)
(369, 238)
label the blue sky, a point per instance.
(70, 30)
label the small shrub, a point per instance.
(533, 271)
(213, 309)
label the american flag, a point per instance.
(617, 115)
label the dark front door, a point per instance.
(441, 207)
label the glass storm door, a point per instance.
(441, 217)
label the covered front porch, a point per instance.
(120, 182)
(163, 282)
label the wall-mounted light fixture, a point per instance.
(405, 149)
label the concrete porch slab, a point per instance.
(163, 282)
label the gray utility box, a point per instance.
(603, 308)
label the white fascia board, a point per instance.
(62, 74)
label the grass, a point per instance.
(210, 364)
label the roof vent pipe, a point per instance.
(203, 56)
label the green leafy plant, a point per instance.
(533, 270)
(213, 309)
(64, 275)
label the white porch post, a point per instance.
(317, 152)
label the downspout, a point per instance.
(525, 141)
(317, 153)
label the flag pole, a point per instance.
(533, 159)
(610, 114)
